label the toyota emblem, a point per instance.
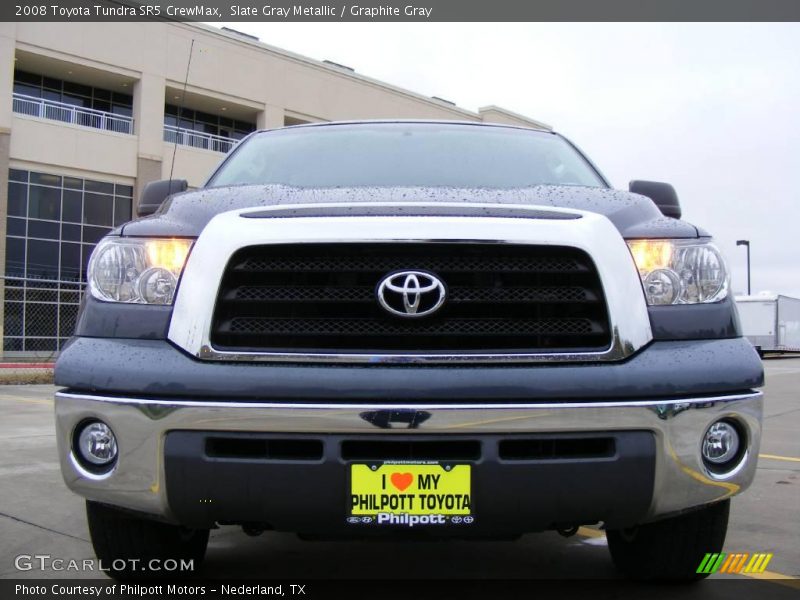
(411, 293)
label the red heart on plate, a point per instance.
(402, 480)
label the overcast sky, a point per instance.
(713, 109)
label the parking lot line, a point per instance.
(773, 577)
(589, 532)
(777, 457)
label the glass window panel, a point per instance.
(101, 94)
(73, 201)
(17, 199)
(73, 182)
(71, 232)
(92, 235)
(77, 89)
(40, 321)
(28, 90)
(42, 290)
(125, 111)
(74, 100)
(18, 175)
(40, 344)
(13, 319)
(15, 257)
(66, 321)
(15, 226)
(45, 179)
(101, 105)
(48, 230)
(14, 293)
(70, 291)
(206, 118)
(44, 203)
(122, 211)
(70, 261)
(42, 259)
(102, 187)
(53, 95)
(123, 190)
(86, 254)
(122, 99)
(12, 344)
(98, 209)
(26, 77)
(52, 84)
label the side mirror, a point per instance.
(155, 192)
(663, 194)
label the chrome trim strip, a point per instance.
(675, 403)
(682, 480)
(73, 460)
(226, 233)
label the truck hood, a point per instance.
(186, 214)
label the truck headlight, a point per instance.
(680, 271)
(137, 270)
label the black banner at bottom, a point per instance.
(380, 589)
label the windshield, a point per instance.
(407, 155)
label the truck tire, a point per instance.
(670, 549)
(126, 544)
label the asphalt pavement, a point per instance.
(39, 515)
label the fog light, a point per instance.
(97, 444)
(721, 443)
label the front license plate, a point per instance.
(410, 494)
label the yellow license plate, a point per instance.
(410, 494)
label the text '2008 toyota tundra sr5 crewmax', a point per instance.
(415, 328)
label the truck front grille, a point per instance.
(321, 298)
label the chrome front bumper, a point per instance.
(137, 481)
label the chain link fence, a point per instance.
(39, 316)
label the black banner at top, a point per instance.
(401, 10)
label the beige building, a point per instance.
(90, 112)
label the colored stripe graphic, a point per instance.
(734, 563)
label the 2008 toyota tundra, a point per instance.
(432, 328)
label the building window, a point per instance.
(53, 224)
(203, 130)
(59, 100)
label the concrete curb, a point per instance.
(11, 373)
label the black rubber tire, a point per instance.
(670, 549)
(120, 538)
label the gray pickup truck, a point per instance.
(423, 329)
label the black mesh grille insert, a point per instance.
(552, 448)
(322, 298)
(263, 449)
(405, 450)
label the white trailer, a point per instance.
(771, 322)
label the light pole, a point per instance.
(746, 243)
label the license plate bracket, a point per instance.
(410, 494)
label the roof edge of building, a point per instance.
(321, 65)
(515, 116)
